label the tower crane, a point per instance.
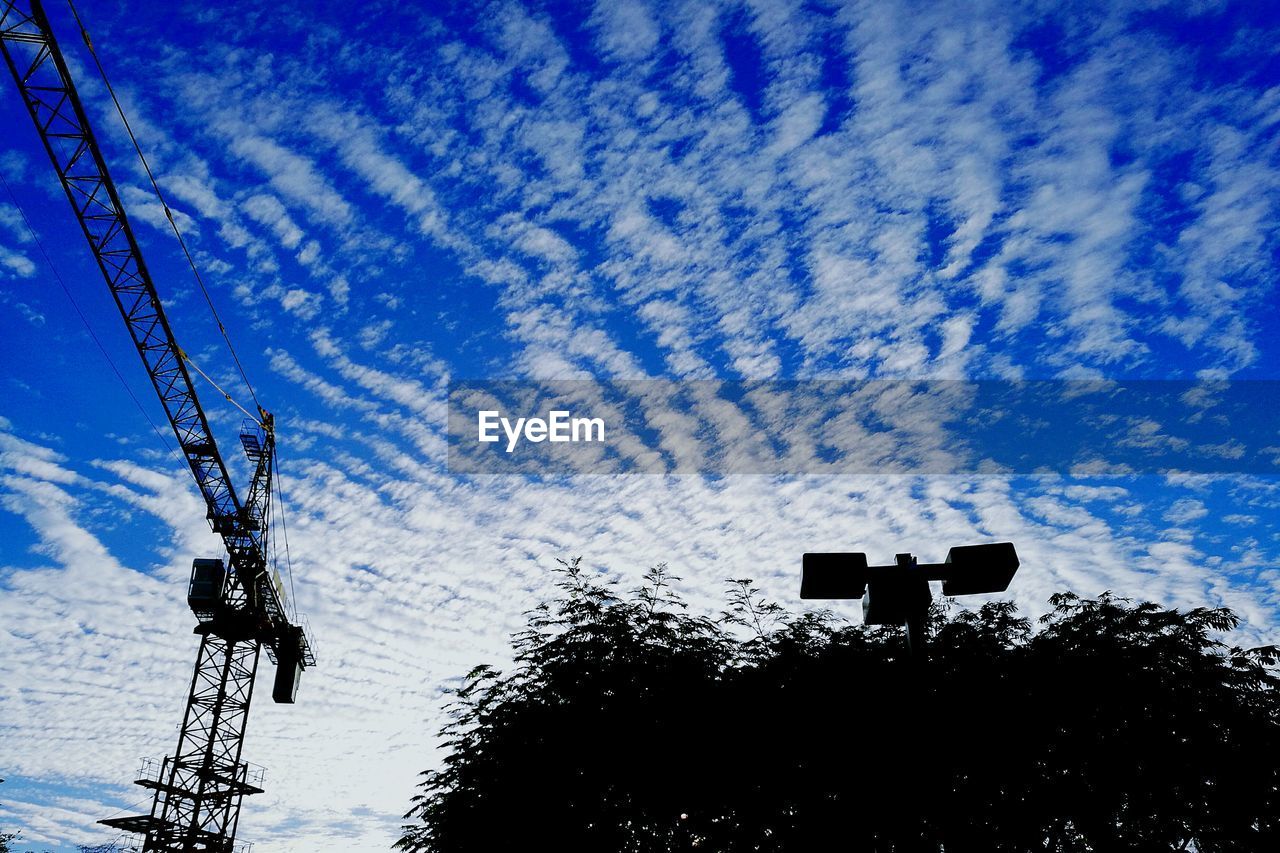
(239, 604)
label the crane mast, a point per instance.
(240, 606)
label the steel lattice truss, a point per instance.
(198, 791)
(197, 796)
(39, 70)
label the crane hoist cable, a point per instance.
(278, 500)
(258, 418)
(85, 320)
(240, 605)
(284, 528)
(155, 186)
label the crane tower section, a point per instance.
(239, 604)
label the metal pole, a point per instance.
(917, 614)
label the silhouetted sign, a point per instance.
(977, 569)
(834, 575)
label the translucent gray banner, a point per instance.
(863, 427)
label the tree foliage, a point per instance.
(628, 724)
(6, 838)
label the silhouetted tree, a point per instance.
(629, 725)
(7, 837)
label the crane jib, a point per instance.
(197, 790)
(58, 114)
(55, 107)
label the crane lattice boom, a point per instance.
(241, 608)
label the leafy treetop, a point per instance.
(628, 724)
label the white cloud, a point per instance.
(626, 31)
(908, 193)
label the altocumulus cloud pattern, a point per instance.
(389, 201)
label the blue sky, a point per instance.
(388, 200)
